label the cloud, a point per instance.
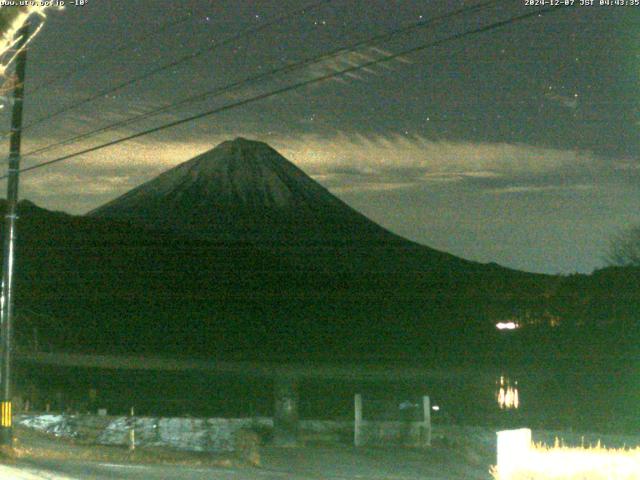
(82, 183)
(358, 161)
(348, 59)
(341, 162)
(539, 189)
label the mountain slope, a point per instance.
(245, 191)
(107, 286)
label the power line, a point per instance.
(172, 64)
(287, 68)
(119, 48)
(298, 85)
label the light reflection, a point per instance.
(507, 396)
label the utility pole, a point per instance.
(7, 297)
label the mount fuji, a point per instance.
(238, 251)
(244, 190)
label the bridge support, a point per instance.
(286, 417)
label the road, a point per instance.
(70, 470)
(327, 463)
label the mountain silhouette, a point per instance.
(244, 190)
(237, 252)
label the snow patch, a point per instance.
(57, 425)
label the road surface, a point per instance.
(327, 463)
(70, 470)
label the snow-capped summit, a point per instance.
(237, 173)
(242, 190)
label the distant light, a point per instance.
(435, 408)
(506, 325)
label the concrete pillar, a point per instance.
(426, 408)
(285, 417)
(357, 426)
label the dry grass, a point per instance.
(576, 463)
(247, 444)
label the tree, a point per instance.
(624, 248)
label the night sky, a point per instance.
(518, 146)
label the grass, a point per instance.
(576, 463)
